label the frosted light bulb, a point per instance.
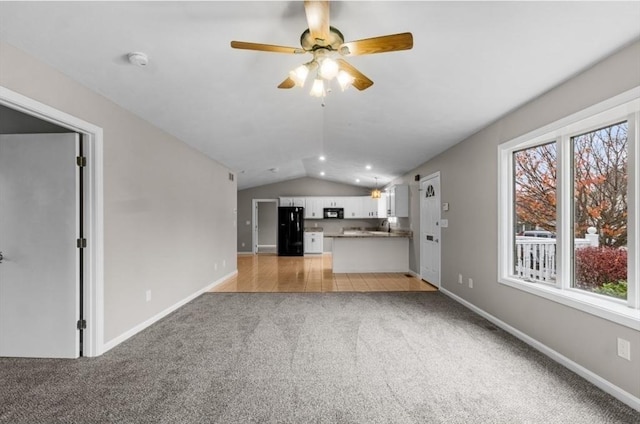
(318, 88)
(299, 75)
(329, 69)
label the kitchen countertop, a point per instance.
(370, 234)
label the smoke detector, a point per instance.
(138, 58)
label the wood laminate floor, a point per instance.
(271, 273)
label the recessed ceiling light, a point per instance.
(322, 173)
(322, 158)
(368, 166)
(357, 180)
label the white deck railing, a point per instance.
(536, 257)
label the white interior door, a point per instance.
(430, 230)
(39, 272)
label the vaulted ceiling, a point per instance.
(471, 63)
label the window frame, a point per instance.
(624, 107)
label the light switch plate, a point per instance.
(445, 206)
(444, 223)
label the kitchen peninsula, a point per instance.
(370, 251)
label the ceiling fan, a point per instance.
(328, 48)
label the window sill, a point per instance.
(609, 309)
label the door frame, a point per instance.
(254, 221)
(421, 206)
(93, 203)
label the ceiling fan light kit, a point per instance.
(327, 46)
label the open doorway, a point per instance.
(21, 115)
(265, 226)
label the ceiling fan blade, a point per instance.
(266, 47)
(288, 83)
(361, 82)
(318, 20)
(385, 43)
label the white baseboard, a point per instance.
(245, 253)
(588, 375)
(138, 328)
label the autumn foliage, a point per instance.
(596, 266)
(600, 185)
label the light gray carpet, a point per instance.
(309, 358)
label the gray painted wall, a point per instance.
(169, 211)
(469, 183)
(305, 186)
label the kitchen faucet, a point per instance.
(386, 221)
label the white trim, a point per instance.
(608, 112)
(590, 376)
(246, 253)
(157, 317)
(633, 208)
(254, 221)
(93, 209)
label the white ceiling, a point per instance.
(472, 62)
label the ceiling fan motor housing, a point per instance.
(333, 42)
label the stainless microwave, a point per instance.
(333, 213)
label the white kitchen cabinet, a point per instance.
(313, 242)
(383, 206)
(369, 207)
(314, 208)
(334, 202)
(353, 207)
(292, 201)
(398, 201)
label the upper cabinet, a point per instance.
(353, 207)
(313, 208)
(398, 201)
(292, 201)
(334, 202)
(383, 206)
(370, 207)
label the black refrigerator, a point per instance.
(290, 231)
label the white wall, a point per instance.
(469, 245)
(169, 211)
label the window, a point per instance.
(599, 170)
(568, 210)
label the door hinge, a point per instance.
(81, 161)
(81, 243)
(82, 324)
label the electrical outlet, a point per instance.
(242, 244)
(148, 295)
(459, 278)
(624, 349)
(470, 283)
(215, 266)
(224, 263)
